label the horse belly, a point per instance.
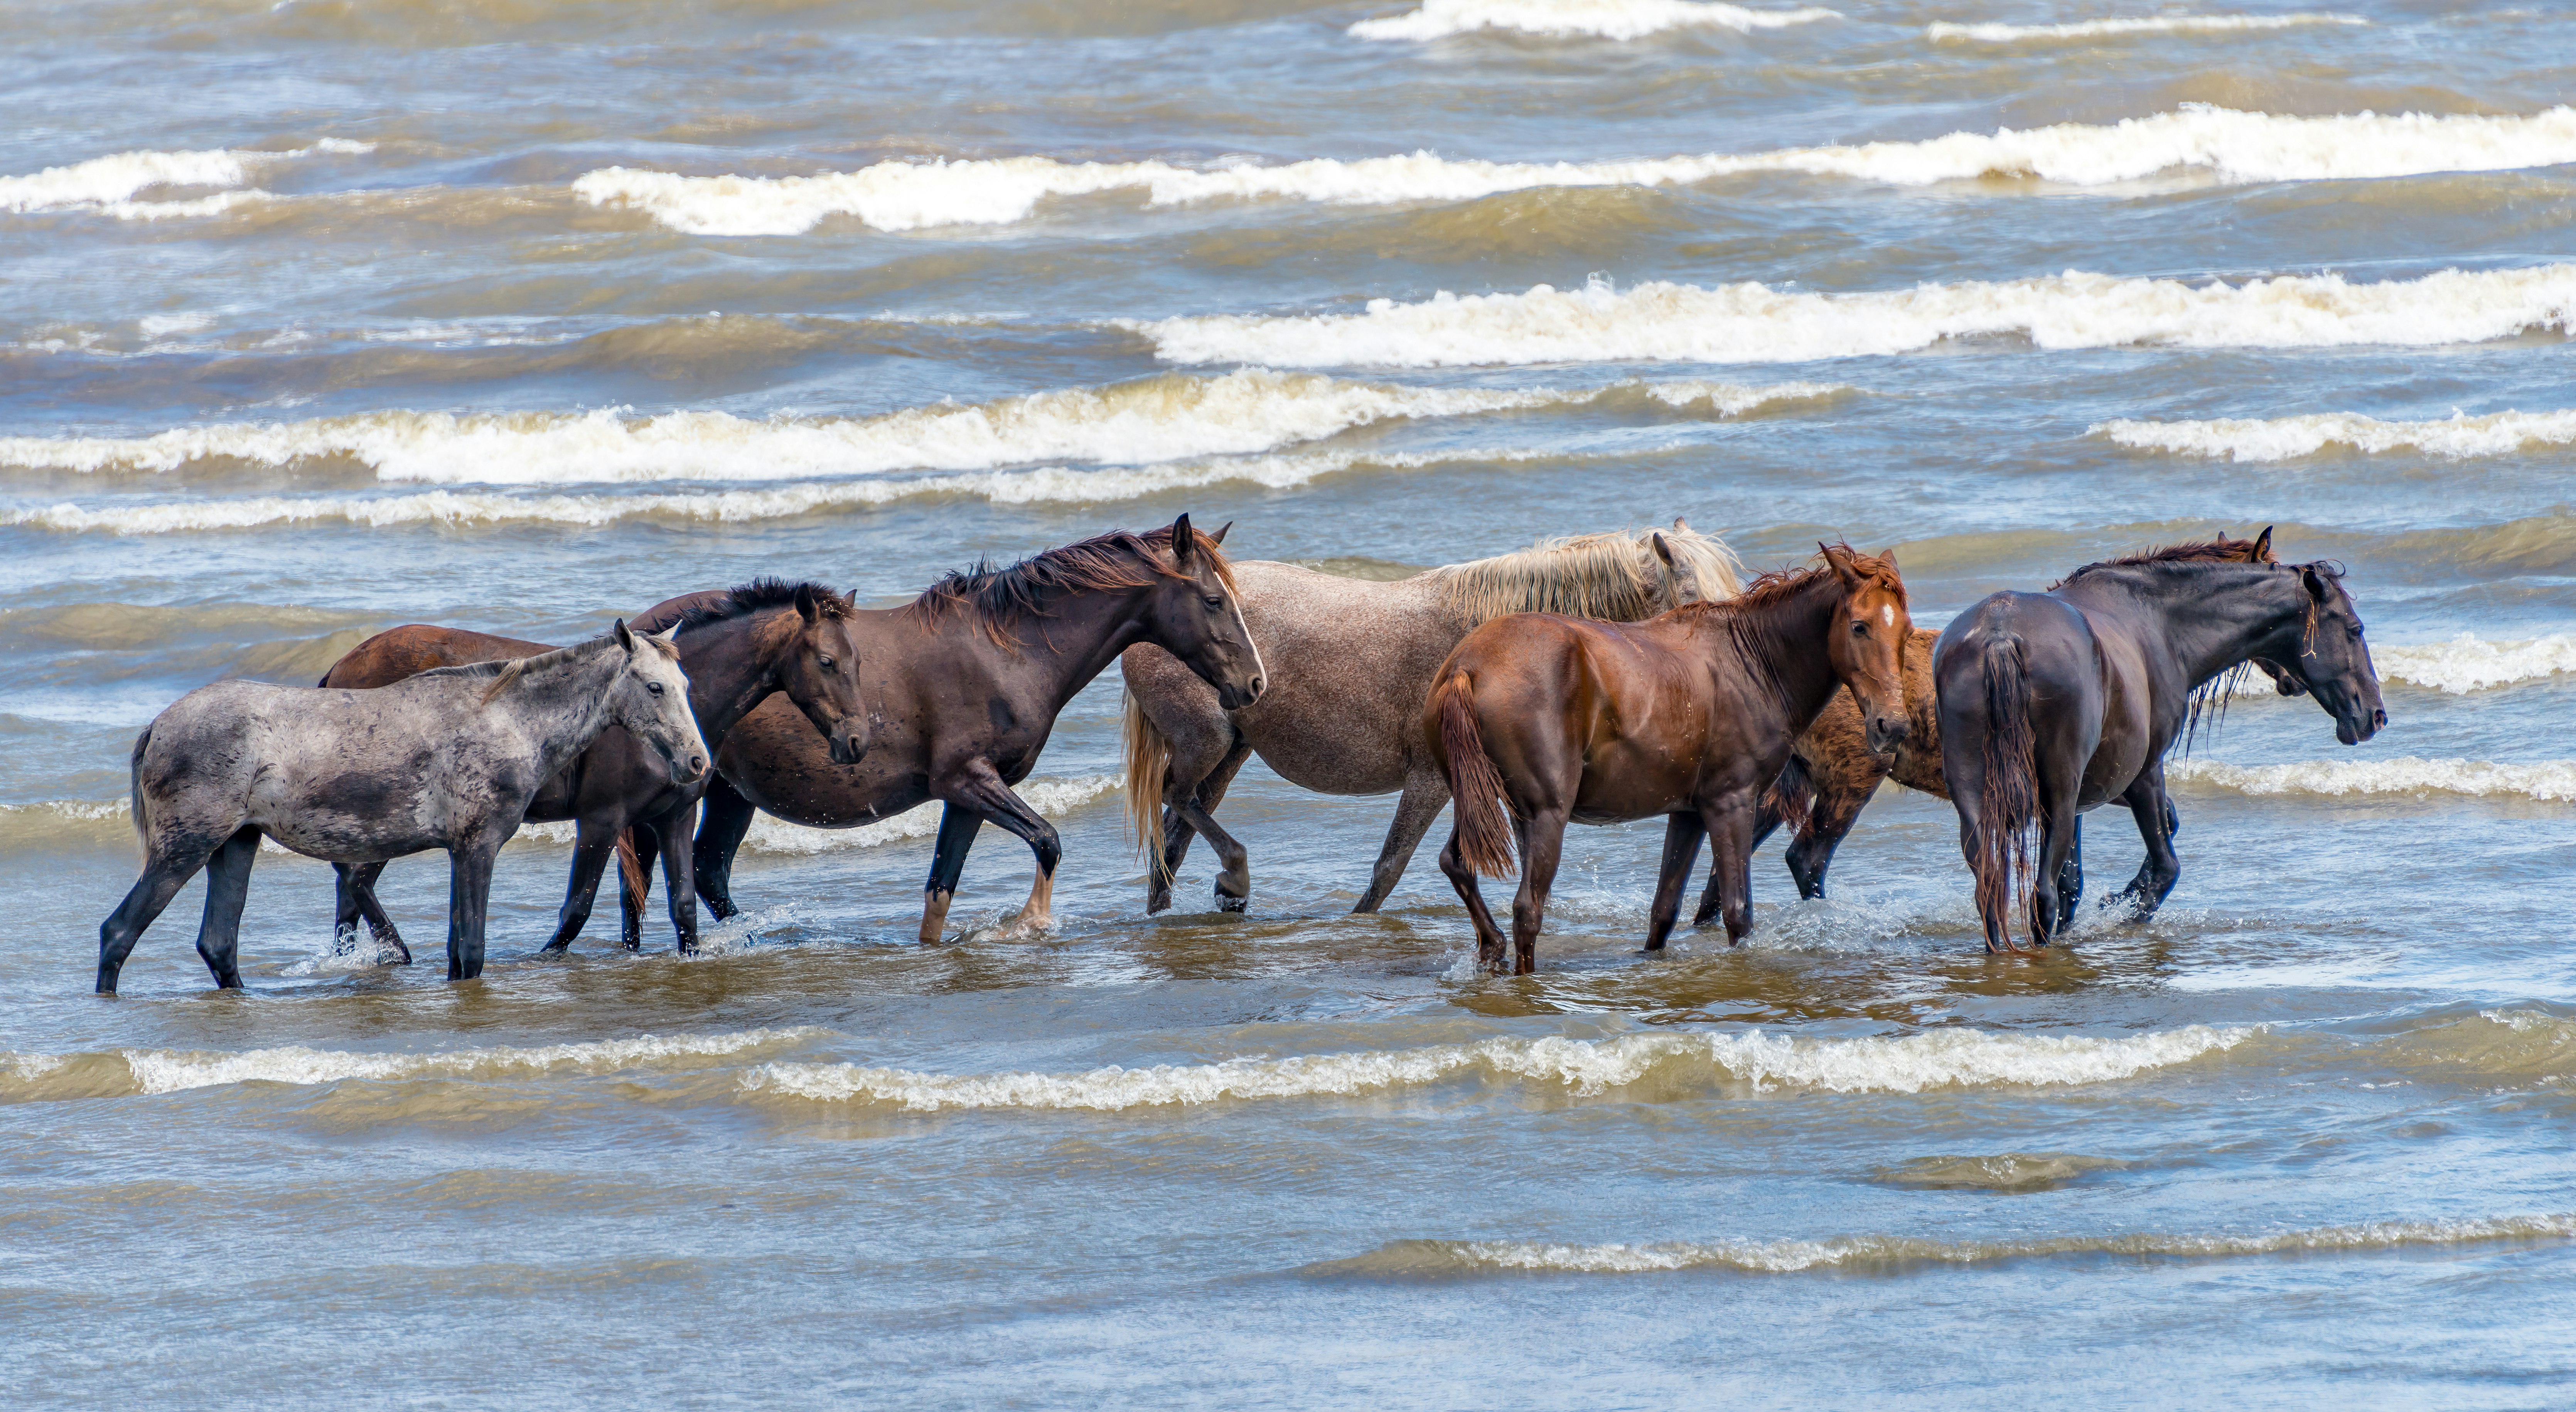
(1626, 783)
(348, 815)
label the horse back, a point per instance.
(406, 651)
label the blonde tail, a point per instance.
(1149, 761)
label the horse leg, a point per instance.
(670, 832)
(982, 792)
(1489, 938)
(469, 896)
(2070, 879)
(345, 912)
(2156, 877)
(592, 844)
(227, 886)
(1425, 795)
(1542, 844)
(724, 819)
(1729, 823)
(1203, 762)
(1794, 782)
(957, 826)
(634, 889)
(1836, 807)
(165, 871)
(1682, 834)
(1234, 880)
(2057, 817)
(362, 881)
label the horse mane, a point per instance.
(1745, 617)
(725, 604)
(2216, 550)
(1603, 575)
(505, 673)
(1001, 599)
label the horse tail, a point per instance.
(2011, 807)
(630, 865)
(1792, 797)
(142, 811)
(1149, 760)
(1475, 784)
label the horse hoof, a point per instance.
(1232, 904)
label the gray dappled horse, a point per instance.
(2054, 703)
(1351, 662)
(446, 759)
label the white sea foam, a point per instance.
(2408, 775)
(1599, 19)
(170, 1071)
(1462, 1257)
(2288, 438)
(1584, 1068)
(2232, 145)
(2470, 663)
(109, 184)
(1949, 33)
(1171, 416)
(1755, 323)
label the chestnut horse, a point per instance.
(2058, 702)
(1832, 773)
(738, 646)
(1690, 715)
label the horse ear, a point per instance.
(2315, 581)
(1837, 560)
(1183, 541)
(1681, 524)
(670, 635)
(624, 638)
(1219, 536)
(1663, 550)
(806, 607)
(2263, 546)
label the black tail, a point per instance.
(2010, 810)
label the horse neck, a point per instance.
(2216, 616)
(732, 665)
(563, 704)
(1080, 632)
(1786, 646)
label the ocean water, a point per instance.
(321, 316)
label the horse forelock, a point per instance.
(1001, 598)
(1610, 574)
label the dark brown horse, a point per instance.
(2058, 702)
(965, 682)
(1832, 773)
(1690, 715)
(739, 646)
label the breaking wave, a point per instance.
(1680, 1063)
(1948, 33)
(1160, 418)
(2233, 145)
(2469, 663)
(1599, 19)
(1420, 1258)
(1740, 323)
(31, 1077)
(2287, 438)
(108, 185)
(2407, 775)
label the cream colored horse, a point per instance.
(1350, 664)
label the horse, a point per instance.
(446, 759)
(1690, 715)
(1351, 663)
(2058, 702)
(1832, 773)
(964, 701)
(737, 645)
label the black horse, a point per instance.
(2054, 703)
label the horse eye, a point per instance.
(1215, 601)
(1860, 629)
(653, 687)
(826, 664)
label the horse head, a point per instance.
(1867, 643)
(818, 667)
(2334, 664)
(650, 698)
(1194, 616)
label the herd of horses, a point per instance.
(1593, 679)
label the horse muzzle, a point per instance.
(1885, 733)
(689, 769)
(1235, 698)
(847, 743)
(2353, 732)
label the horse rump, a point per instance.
(1475, 785)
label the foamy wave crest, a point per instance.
(2411, 775)
(1742, 323)
(1418, 1258)
(1161, 418)
(2469, 663)
(1947, 33)
(1578, 1067)
(2287, 438)
(2235, 146)
(109, 184)
(152, 1071)
(1599, 19)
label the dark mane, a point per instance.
(1000, 599)
(722, 604)
(1780, 585)
(2218, 550)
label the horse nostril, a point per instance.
(697, 764)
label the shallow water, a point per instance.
(320, 317)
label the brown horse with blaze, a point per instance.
(1690, 715)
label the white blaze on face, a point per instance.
(1887, 614)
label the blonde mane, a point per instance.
(1612, 575)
